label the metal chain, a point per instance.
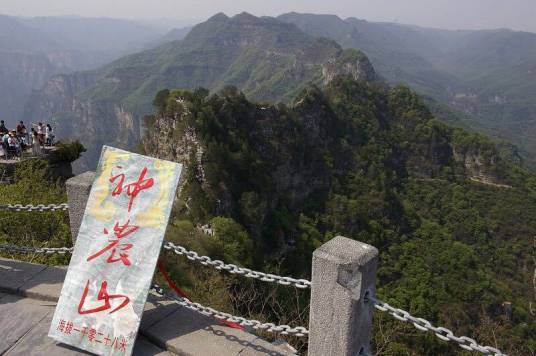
(421, 324)
(234, 269)
(298, 331)
(30, 207)
(442, 333)
(45, 250)
(191, 255)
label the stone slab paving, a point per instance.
(26, 317)
(195, 334)
(46, 285)
(14, 274)
(17, 317)
(36, 342)
(24, 328)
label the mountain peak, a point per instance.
(352, 63)
(245, 16)
(220, 16)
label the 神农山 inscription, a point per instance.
(114, 258)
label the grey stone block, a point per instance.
(46, 285)
(340, 320)
(262, 347)
(13, 274)
(155, 310)
(37, 342)
(143, 347)
(186, 332)
(78, 189)
(17, 317)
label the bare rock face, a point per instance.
(20, 73)
(93, 122)
(172, 140)
(478, 166)
(350, 63)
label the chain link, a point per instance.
(298, 331)
(234, 269)
(192, 256)
(30, 207)
(419, 323)
(442, 333)
(42, 250)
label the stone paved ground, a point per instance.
(28, 296)
(24, 327)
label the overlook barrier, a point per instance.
(342, 287)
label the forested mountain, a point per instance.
(489, 76)
(453, 219)
(175, 34)
(34, 49)
(342, 153)
(268, 59)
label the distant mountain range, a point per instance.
(34, 49)
(268, 59)
(482, 80)
(488, 76)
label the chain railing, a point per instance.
(30, 207)
(442, 333)
(191, 255)
(42, 250)
(298, 331)
(419, 323)
(234, 269)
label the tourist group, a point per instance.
(14, 142)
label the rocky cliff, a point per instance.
(93, 122)
(246, 160)
(267, 59)
(32, 50)
(352, 63)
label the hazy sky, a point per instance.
(454, 14)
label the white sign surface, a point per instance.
(115, 254)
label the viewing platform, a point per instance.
(29, 293)
(27, 154)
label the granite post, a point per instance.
(340, 322)
(78, 189)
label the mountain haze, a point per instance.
(34, 49)
(289, 136)
(269, 60)
(487, 77)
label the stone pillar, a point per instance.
(340, 322)
(78, 189)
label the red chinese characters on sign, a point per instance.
(132, 189)
(120, 231)
(118, 250)
(118, 343)
(105, 297)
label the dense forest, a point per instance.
(451, 212)
(38, 180)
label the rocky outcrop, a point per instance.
(20, 74)
(267, 59)
(478, 166)
(352, 63)
(93, 122)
